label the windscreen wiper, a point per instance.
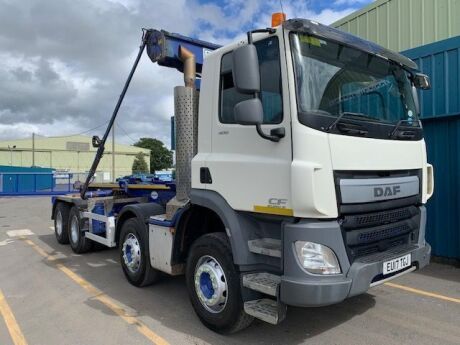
(408, 135)
(339, 118)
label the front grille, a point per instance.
(371, 233)
(377, 226)
(377, 235)
(377, 218)
(378, 207)
(360, 251)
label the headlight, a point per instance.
(316, 258)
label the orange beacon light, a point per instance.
(278, 18)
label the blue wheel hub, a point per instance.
(128, 254)
(206, 285)
(131, 251)
(210, 284)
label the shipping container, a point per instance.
(404, 24)
(440, 108)
(20, 180)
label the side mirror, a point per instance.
(249, 112)
(422, 81)
(245, 69)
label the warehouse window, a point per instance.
(270, 84)
(76, 146)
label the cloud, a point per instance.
(17, 130)
(352, 2)
(65, 62)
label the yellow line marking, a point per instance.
(102, 297)
(424, 293)
(274, 210)
(38, 249)
(11, 323)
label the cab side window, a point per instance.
(270, 84)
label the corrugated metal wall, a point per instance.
(441, 121)
(404, 24)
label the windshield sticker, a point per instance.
(370, 87)
(311, 40)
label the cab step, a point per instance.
(266, 283)
(265, 246)
(267, 310)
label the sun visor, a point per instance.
(327, 32)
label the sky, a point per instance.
(64, 62)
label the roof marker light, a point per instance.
(278, 18)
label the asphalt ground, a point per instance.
(48, 295)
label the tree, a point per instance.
(160, 157)
(139, 164)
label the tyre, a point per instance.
(134, 254)
(78, 242)
(61, 222)
(213, 284)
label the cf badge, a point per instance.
(275, 202)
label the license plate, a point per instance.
(397, 264)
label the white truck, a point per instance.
(301, 176)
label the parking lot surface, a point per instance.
(48, 295)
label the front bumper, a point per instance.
(300, 288)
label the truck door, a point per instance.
(252, 173)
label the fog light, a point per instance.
(316, 258)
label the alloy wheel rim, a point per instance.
(74, 229)
(132, 253)
(59, 223)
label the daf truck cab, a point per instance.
(301, 177)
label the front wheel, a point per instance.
(213, 284)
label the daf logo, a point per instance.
(386, 191)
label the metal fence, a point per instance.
(37, 183)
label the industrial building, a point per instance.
(427, 31)
(69, 153)
(404, 24)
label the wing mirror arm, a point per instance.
(276, 134)
(416, 100)
(420, 81)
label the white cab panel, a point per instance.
(247, 170)
(354, 153)
(312, 181)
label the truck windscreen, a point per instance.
(370, 94)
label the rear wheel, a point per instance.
(79, 243)
(61, 222)
(213, 284)
(134, 254)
